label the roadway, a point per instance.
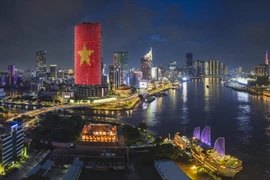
(48, 109)
(66, 106)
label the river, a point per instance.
(237, 116)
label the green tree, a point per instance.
(167, 151)
(133, 90)
(143, 126)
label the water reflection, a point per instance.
(151, 112)
(172, 96)
(184, 113)
(159, 103)
(206, 96)
(184, 92)
(243, 118)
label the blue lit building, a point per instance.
(11, 142)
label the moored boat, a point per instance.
(215, 158)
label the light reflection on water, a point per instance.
(184, 112)
(237, 116)
(243, 118)
(151, 112)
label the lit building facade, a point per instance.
(88, 54)
(11, 142)
(266, 57)
(261, 70)
(206, 68)
(154, 73)
(214, 68)
(146, 69)
(41, 67)
(120, 62)
(53, 71)
(11, 74)
(99, 133)
(198, 67)
(111, 76)
(146, 65)
(84, 92)
(172, 66)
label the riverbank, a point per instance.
(129, 105)
(249, 90)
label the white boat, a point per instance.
(144, 105)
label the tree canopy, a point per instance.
(165, 151)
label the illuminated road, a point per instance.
(48, 109)
(68, 106)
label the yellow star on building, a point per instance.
(85, 53)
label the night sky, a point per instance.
(235, 32)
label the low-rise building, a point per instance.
(2, 93)
(49, 95)
(89, 92)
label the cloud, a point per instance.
(157, 38)
(209, 29)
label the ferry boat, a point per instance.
(215, 158)
(149, 99)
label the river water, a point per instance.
(237, 116)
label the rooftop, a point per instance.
(12, 123)
(74, 170)
(169, 170)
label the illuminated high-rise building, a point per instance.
(111, 77)
(146, 65)
(214, 67)
(206, 68)
(266, 57)
(11, 74)
(41, 67)
(87, 54)
(189, 59)
(53, 72)
(189, 63)
(154, 73)
(120, 62)
(172, 66)
(198, 66)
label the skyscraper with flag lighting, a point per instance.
(87, 54)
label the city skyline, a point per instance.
(171, 37)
